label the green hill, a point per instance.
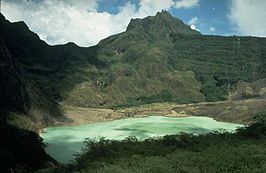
(156, 59)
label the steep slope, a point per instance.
(12, 91)
(31, 71)
(156, 59)
(160, 54)
(24, 105)
(40, 61)
(20, 93)
(138, 67)
(22, 151)
(162, 26)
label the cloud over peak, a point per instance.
(193, 22)
(186, 3)
(59, 22)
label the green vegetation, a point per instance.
(243, 151)
(164, 96)
(155, 54)
(21, 151)
(156, 59)
(143, 61)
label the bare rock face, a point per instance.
(263, 92)
(242, 90)
(245, 90)
(161, 26)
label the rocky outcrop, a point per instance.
(245, 90)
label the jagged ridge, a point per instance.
(157, 58)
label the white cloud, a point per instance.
(212, 29)
(248, 17)
(186, 3)
(193, 22)
(193, 27)
(59, 22)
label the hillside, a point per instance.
(157, 59)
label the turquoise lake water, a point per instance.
(63, 142)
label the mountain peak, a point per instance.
(165, 15)
(162, 24)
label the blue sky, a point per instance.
(209, 13)
(86, 22)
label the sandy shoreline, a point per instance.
(239, 111)
(79, 115)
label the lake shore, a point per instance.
(66, 141)
(80, 115)
(238, 111)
